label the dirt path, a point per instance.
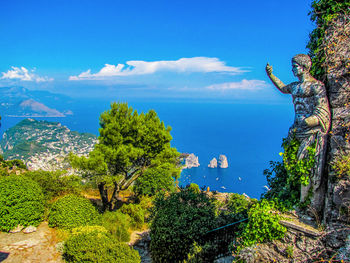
(37, 247)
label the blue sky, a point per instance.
(148, 49)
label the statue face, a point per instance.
(297, 69)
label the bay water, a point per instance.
(250, 135)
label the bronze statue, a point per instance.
(311, 123)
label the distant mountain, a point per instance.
(44, 144)
(19, 101)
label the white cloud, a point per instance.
(244, 84)
(139, 67)
(23, 74)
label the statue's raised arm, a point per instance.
(276, 81)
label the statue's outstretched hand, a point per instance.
(268, 69)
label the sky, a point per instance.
(152, 49)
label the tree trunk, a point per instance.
(104, 197)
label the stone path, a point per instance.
(36, 247)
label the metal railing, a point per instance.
(220, 238)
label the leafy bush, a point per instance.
(55, 183)
(21, 202)
(194, 187)
(284, 179)
(117, 225)
(72, 211)
(263, 225)
(12, 163)
(156, 179)
(96, 247)
(136, 213)
(88, 229)
(178, 221)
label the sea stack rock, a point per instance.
(191, 161)
(223, 161)
(213, 163)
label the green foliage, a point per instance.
(97, 247)
(194, 187)
(155, 179)
(179, 220)
(263, 225)
(298, 170)
(88, 229)
(8, 167)
(136, 213)
(284, 179)
(323, 11)
(55, 183)
(12, 163)
(199, 253)
(72, 211)
(290, 251)
(129, 143)
(21, 202)
(117, 225)
(342, 166)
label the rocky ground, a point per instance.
(36, 247)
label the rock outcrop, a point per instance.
(223, 161)
(337, 53)
(213, 163)
(191, 161)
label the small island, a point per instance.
(213, 163)
(223, 161)
(191, 161)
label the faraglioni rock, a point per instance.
(213, 163)
(223, 161)
(191, 161)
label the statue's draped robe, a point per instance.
(310, 99)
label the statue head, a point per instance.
(301, 63)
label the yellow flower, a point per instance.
(281, 153)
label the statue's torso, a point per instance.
(304, 100)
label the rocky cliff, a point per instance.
(223, 161)
(337, 65)
(191, 161)
(213, 163)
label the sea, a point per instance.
(249, 134)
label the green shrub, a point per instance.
(136, 213)
(117, 225)
(21, 202)
(96, 247)
(178, 221)
(88, 229)
(156, 179)
(263, 225)
(12, 163)
(55, 183)
(194, 187)
(72, 211)
(284, 178)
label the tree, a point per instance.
(129, 143)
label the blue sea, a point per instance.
(250, 135)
